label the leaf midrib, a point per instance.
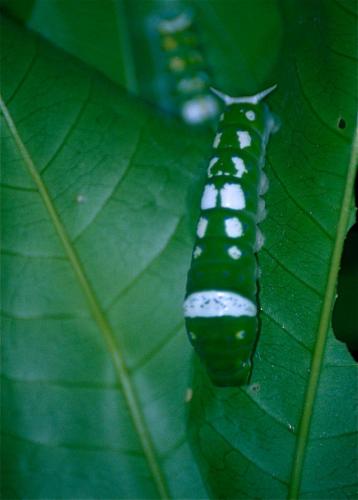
(105, 328)
(318, 353)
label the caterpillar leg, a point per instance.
(260, 240)
(264, 184)
(261, 210)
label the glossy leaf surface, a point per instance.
(91, 316)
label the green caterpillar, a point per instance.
(220, 307)
(186, 67)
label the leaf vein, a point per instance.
(156, 349)
(115, 187)
(304, 210)
(18, 188)
(335, 436)
(103, 324)
(247, 457)
(259, 405)
(146, 267)
(62, 383)
(55, 317)
(24, 76)
(291, 273)
(69, 132)
(290, 334)
(14, 253)
(72, 446)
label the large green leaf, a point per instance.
(96, 252)
(292, 432)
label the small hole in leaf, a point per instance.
(342, 123)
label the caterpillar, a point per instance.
(186, 66)
(220, 306)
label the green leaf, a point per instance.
(94, 239)
(292, 432)
(93, 31)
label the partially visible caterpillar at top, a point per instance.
(185, 63)
(220, 307)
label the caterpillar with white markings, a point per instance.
(220, 307)
(186, 66)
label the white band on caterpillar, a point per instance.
(217, 303)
